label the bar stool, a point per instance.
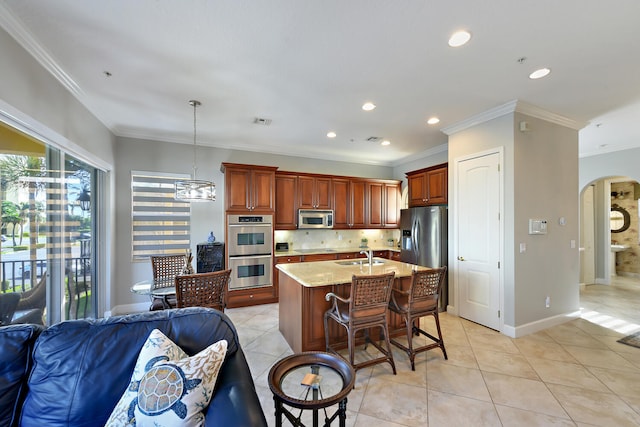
(421, 299)
(366, 308)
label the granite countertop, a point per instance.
(301, 251)
(323, 273)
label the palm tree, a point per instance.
(11, 215)
(13, 170)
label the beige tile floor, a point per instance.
(574, 374)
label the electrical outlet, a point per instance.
(547, 301)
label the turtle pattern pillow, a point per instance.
(169, 388)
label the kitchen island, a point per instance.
(303, 287)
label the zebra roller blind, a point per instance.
(160, 225)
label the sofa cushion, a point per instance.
(16, 344)
(169, 388)
(81, 367)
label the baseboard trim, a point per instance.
(127, 309)
(539, 325)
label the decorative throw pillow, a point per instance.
(167, 387)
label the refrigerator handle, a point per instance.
(414, 236)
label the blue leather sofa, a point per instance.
(73, 373)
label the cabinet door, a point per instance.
(323, 193)
(437, 186)
(306, 198)
(285, 215)
(417, 190)
(262, 190)
(314, 192)
(358, 207)
(392, 206)
(340, 203)
(237, 189)
(376, 205)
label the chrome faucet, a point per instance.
(369, 254)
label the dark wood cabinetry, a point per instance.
(286, 215)
(349, 203)
(340, 192)
(384, 204)
(428, 186)
(356, 203)
(249, 188)
(314, 192)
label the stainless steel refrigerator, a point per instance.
(423, 240)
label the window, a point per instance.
(160, 224)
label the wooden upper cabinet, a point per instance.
(358, 204)
(286, 212)
(384, 205)
(428, 186)
(341, 205)
(392, 196)
(249, 188)
(314, 192)
(349, 203)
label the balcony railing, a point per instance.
(17, 277)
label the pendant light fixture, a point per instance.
(195, 190)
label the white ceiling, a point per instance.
(309, 66)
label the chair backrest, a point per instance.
(426, 286)
(370, 295)
(8, 304)
(165, 269)
(203, 289)
(36, 297)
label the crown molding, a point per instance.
(513, 107)
(442, 148)
(17, 30)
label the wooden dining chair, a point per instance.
(421, 299)
(366, 308)
(165, 268)
(203, 289)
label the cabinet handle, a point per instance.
(460, 258)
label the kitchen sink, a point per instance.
(362, 262)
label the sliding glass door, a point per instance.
(47, 248)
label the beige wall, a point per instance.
(540, 174)
(546, 179)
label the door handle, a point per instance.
(460, 258)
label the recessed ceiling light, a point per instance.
(538, 74)
(385, 142)
(433, 120)
(368, 106)
(459, 38)
(331, 135)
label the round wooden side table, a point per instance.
(311, 381)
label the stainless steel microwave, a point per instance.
(315, 218)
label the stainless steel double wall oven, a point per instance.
(250, 242)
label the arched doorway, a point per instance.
(610, 242)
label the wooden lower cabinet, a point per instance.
(252, 296)
(320, 257)
(302, 311)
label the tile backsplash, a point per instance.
(335, 239)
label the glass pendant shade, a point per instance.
(195, 190)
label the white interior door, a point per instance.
(478, 233)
